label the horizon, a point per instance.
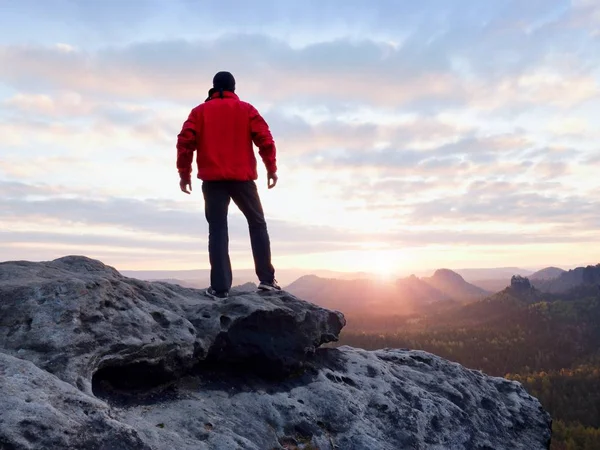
(290, 275)
(409, 136)
(426, 269)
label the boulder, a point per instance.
(92, 359)
(75, 316)
(39, 411)
(350, 399)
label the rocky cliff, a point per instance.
(90, 359)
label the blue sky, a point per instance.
(410, 135)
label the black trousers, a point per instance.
(217, 196)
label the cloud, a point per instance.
(569, 126)
(65, 104)
(46, 221)
(41, 129)
(537, 87)
(57, 206)
(416, 72)
(509, 202)
(309, 19)
(465, 156)
(175, 70)
(585, 14)
(162, 224)
(38, 167)
(68, 118)
(410, 125)
(361, 133)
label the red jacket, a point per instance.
(223, 130)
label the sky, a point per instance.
(410, 135)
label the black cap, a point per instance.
(224, 81)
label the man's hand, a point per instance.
(272, 180)
(184, 184)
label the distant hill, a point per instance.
(522, 294)
(493, 273)
(406, 296)
(455, 286)
(589, 275)
(492, 279)
(495, 307)
(350, 296)
(492, 285)
(502, 279)
(418, 291)
(521, 290)
(200, 278)
(548, 273)
(516, 304)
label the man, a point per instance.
(223, 129)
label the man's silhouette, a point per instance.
(223, 129)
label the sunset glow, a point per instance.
(410, 136)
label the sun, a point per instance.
(384, 270)
(383, 264)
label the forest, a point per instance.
(548, 342)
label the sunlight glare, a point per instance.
(383, 264)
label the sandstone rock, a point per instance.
(520, 284)
(74, 315)
(91, 359)
(39, 411)
(352, 400)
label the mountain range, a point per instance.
(358, 293)
(488, 279)
(404, 296)
(503, 276)
(455, 286)
(548, 273)
(200, 278)
(567, 280)
(515, 306)
(444, 290)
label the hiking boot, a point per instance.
(269, 286)
(215, 294)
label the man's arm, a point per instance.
(262, 138)
(186, 144)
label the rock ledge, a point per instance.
(91, 359)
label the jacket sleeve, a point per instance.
(262, 138)
(186, 144)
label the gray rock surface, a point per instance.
(39, 411)
(91, 359)
(74, 315)
(352, 400)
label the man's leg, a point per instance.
(216, 203)
(245, 196)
